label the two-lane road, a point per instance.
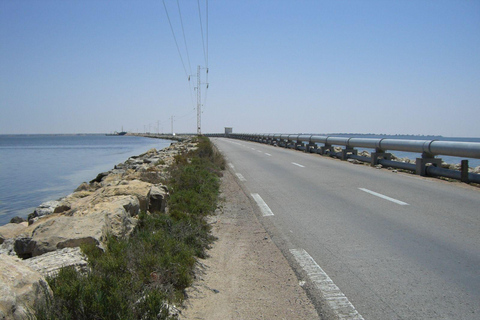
(396, 246)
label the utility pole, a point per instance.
(199, 104)
(171, 119)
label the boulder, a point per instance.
(17, 219)
(46, 208)
(21, 288)
(137, 188)
(7, 247)
(99, 177)
(11, 230)
(88, 187)
(50, 263)
(23, 247)
(157, 198)
(86, 225)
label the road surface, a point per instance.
(373, 243)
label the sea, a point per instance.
(39, 168)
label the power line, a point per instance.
(201, 30)
(175, 38)
(207, 36)
(184, 39)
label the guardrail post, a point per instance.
(379, 154)
(299, 145)
(464, 168)
(346, 151)
(326, 148)
(311, 147)
(421, 163)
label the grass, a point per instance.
(143, 276)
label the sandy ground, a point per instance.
(246, 275)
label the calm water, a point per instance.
(39, 168)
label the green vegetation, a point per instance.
(140, 277)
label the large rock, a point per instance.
(21, 288)
(49, 264)
(89, 225)
(46, 208)
(137, 188)
(17, 219)
(7, 247)
(11, 230)
(157, 198)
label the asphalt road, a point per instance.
(397, 246)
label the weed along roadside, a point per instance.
(144, 275)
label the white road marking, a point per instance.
(231, 165)
(268, 154)
(241, 177)
(253, 148)
(298, 165)
(332, 295)
(262, 205)
(259, 151)
(384, 197)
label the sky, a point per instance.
(274, 66)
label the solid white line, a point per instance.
(268, 154)
(299, 165)
(262, 205)
(332, 295)
(241, 177)
(384, 197)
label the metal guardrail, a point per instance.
(425, 165)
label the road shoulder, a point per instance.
(246, 275)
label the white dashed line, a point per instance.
(334, 298)
(384, 197)
(262, 205)
(259, 151)
(231, 165)
(298, 165)
(268, 154)
(241, 177)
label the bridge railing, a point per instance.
(427, 164)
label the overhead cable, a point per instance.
(184, 39)
(201, 30)
(175, 38)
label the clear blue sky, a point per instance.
(395, 67)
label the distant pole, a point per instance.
(199, 104)
(171, 119)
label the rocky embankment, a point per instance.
(52, 236)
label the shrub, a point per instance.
(139, 277)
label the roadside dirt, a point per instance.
(246, 275)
